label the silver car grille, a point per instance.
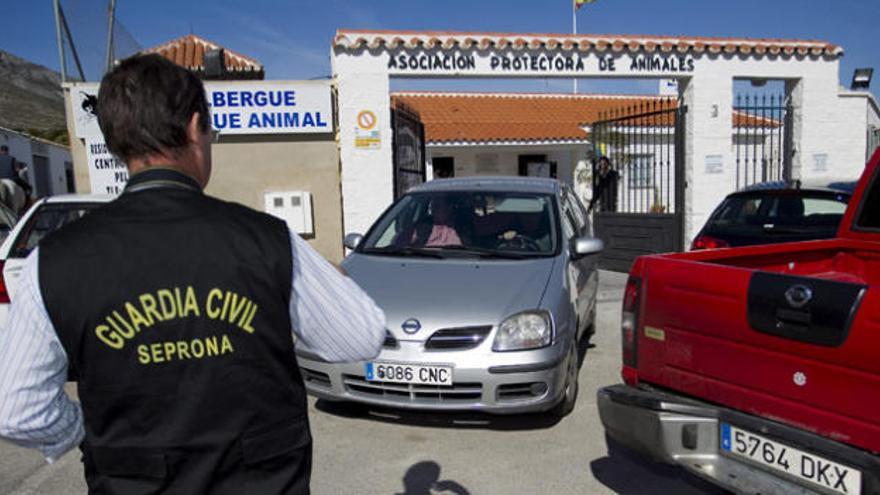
(457, 338)
(409, 393)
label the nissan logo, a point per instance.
(411, 326)
(798, 296)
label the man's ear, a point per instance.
(193, 132)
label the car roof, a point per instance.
(80, 198)
(846, 186)
(490, 183)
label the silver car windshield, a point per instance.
(478, 223)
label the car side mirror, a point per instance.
(584, 246)
(353, 240)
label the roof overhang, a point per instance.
(392, 40)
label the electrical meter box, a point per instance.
(294, 207)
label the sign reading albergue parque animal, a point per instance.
(260, 107)
(545, 63)
(268, 107)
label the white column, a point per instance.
(709, 131)
(366, 173)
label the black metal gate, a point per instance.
(638, 181)
(762, 139)
(408, 149)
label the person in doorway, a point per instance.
(605, 187)
(21, 178)
(175, 311)
(7, 164)
(443, 171)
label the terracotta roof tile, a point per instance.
(354, 39)
(494, 117)
(526, 117)
(189, 51)
(743, 119)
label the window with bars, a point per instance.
(640, 171)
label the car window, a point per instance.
(47, 219)
(798, 211)
(569, 227)
(737, 211)
(815, 206)
(572, 227)
(801, 212)
(468, 220)
(581, 218)
(869, 212)
(7, 222)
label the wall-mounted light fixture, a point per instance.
(862, 78)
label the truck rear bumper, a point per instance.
(679, 431)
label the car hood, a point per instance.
(449, 293)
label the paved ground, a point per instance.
(390, 452)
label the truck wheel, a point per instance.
(570, 392)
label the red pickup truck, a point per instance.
(758, 368)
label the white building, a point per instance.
(49, 165)
(827, 128)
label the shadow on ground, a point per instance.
(423, 478)
(629, 473)
(449, 419)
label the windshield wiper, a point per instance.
(484, 252)
(403, 251)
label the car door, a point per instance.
(45, 219)
(584, 276)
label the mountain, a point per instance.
(30, 98)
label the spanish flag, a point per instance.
(580, 3)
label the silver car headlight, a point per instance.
(526, 330)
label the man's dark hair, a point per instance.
(4, 148)
(145, 104)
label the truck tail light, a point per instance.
(708, 242)
(4, 294)
(629, 321)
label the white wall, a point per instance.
(845, 145)
(504, 160)
(366, 174)
(873, 127)
(23, 148)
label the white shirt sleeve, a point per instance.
(35, 411)
(330, 314)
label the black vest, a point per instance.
(173, 308)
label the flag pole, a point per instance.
(574, 30)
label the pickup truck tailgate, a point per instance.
(788, 348)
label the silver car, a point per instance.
(487, 285)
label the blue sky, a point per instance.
(292, 38)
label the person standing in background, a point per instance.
(605, 187)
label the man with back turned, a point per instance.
(175, 312)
